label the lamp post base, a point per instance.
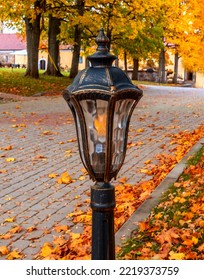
(103, 236)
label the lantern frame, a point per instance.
(101, 81)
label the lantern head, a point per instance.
(102, 99)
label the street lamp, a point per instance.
(102, 99)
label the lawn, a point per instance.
(13, 81)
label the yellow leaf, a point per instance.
(4, 250)
(74, 214)
(194, 240)
(176, 256)
(81, 178)
(75, 235)
(46, 250)
(52, 175)
(10, 220)
(140, 130)
(14, 255)
(64, 179)
(10, 159)
(144, 171)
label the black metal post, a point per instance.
(103, 236)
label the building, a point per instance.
(9, 45)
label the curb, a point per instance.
(146, 207)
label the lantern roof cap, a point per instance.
(101, 57)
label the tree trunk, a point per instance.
(162, 73)
(33, 31)
(135, 75)
(175, 78)
(77, 41)
(76, 52)
(32, 40)
(53, 68)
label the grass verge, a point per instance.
(174, 229)
(13, 81)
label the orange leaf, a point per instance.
(4, 250)
(123, 180)
(16, 229)
(72, 140)
(31, 229)
(8, 148)
(61, 228)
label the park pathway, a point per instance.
(38, 144)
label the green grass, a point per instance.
(13, 81)
(193, 160)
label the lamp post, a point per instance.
(102, 99)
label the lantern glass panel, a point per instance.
(79, 135)
(95, 114)
(122, 113)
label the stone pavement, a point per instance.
(38, 140)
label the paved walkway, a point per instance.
(37, 138)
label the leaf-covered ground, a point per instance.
(173, 231)
(66, 243)
(175, 228)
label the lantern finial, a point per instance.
(102, 41)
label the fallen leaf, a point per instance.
(16, 229)
(31, 229)
(4, 250)
(140, 130)
(53, 175)
(10, 220)
(176, 256)
(64, 179)
(8, 148)
(10, 159)
(61, 228)
(15, 255)
(47, 132)
(71, 140)
(46, 250)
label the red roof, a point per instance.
(11, 42)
